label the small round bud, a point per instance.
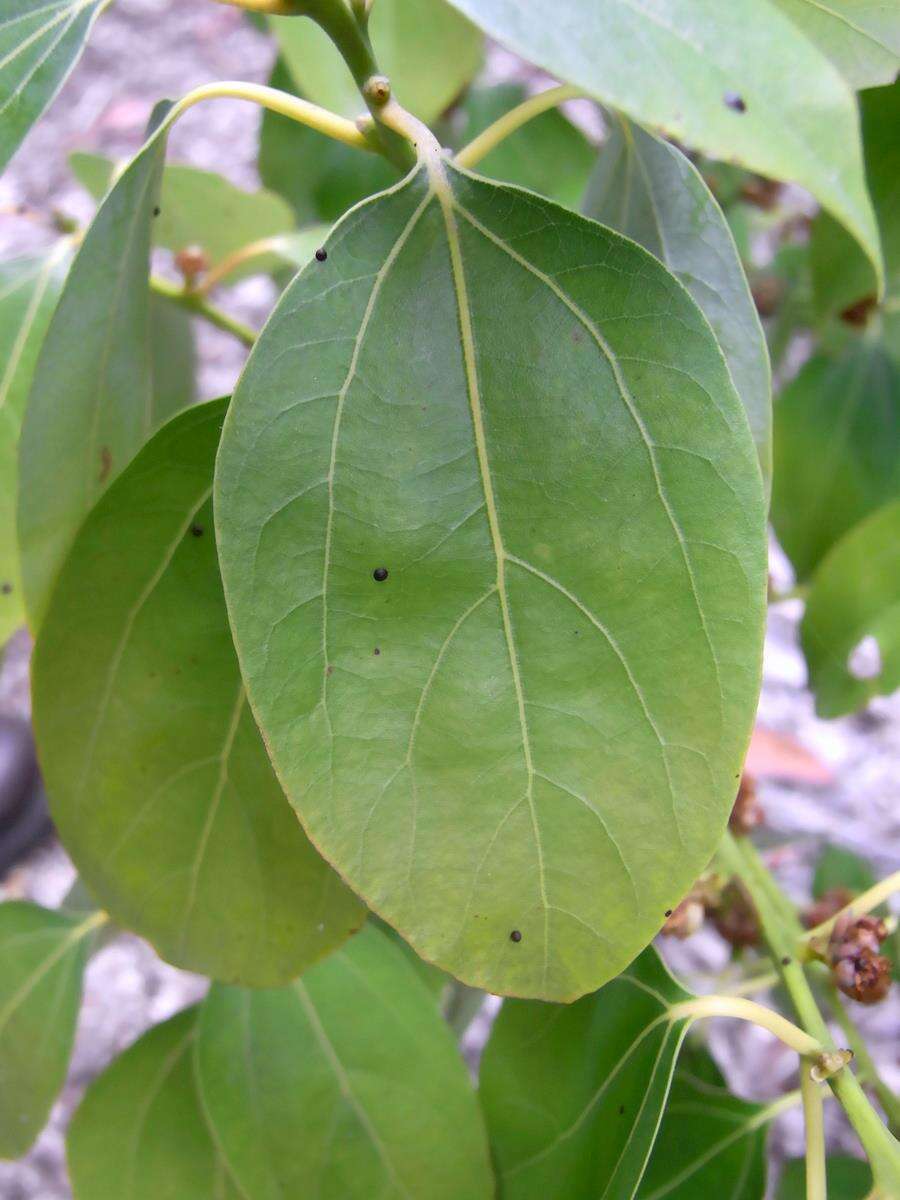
(377, 90)
(191, 262)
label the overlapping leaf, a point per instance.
(346, 1085)
(140, 1133)
(428, 51)
(200, 208)
(92, 404)
(549, 154)
(837, 449)
(43, 955)
(710, 1142)
(573, 1096)
(158, 780)
(29, 289)
(737, 80)
(40, 42)
(842, 275)
(861, 37)
(855, 595)
(647, 189)
(847, 1179)
(486, 500)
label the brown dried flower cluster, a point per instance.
(853, 953)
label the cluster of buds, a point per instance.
(853, 953)
(747, 812)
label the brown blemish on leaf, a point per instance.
(105, 464)
(858, 314)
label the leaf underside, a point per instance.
(647, 189)
(158, 779)
(43, 956)
(345, 1086)
(738, 81)
(40, 42)
(523, 419)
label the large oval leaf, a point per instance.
(93, 404)
(737, 80)
(158, 780)
(346, 1085)
(855, 594)
(40, 42)
(29, 289)
(43, 955)
(429, 52)
(837, 449)
(648, 189)
(573, 1096)
(140, 1134)
(486, 501)
(861, 37)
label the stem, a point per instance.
(780, 928)
(755, 983)
(231, 262)
(858, 907)
(868, 1071)
(197, 304)
(501, 129)
(303, 111)
(814, 1121)
(749, 1010)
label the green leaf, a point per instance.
(173, 356)
(647, 189)
(43, 955)
(842, 275)
(855, 594)
(549, 154)
(29, 289)
(573, 1096)
(199, 208)
(140, 1134)
(318, 176)
(158, 780)
(567, 501)
(428, 51)
(710, 1143)
(346, 1085)
(837, 435)
(861, 37)
(738, 81)
(92, 404)
(847, 1179)
(838, 867)
(40, 43)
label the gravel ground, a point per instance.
(143, 50)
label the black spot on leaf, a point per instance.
(321, 255)
(157, 210)
(197, 530)
(376, 650)
(735, 102)
(668, 912)
(5, 588)
(515, 936)
(380, 574)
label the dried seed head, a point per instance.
(747, 813)
(735, 917)
(685, 920)
(866, 977)
(827, 905)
